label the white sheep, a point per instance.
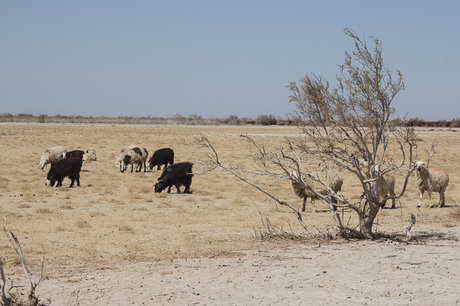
(52, 155)
(431, 180)
(91, 155)
(385, 185)
(334, 181)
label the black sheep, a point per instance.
(160, 157)
(69, 167)
(175, 175)
(75, 154)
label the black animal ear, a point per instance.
(127, 159)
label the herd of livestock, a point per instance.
(68, 164)
(65, 163)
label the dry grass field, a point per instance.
(115, 218)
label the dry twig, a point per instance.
(33, 299)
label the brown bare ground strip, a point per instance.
(116, 218)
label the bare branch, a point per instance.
(281, 202)
(409, 227)
(17, 248)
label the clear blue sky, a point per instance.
(214, 58)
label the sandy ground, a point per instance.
(423, 272)
(113, 241)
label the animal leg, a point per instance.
(177, 187)
(429, 197)
(169, 189)
(442, 199)
(383, 204)
(313, 205)
(304, 203)
(334, 201)
(421, 196)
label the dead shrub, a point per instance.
(43, 211)
(83, 224)
(126, 228)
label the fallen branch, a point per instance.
(5, 300)
(17, 248)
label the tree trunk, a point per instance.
(366, 220)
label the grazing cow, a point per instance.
(175, 175)
(52, 155)
(69, 167)
(74, 154)
(160, 157)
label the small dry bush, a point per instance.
(126, 228)
(83, 224)
(43, 211)
(271, 232)
(96, 214)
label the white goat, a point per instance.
(385, 185)
(334, 181)
(431, 180)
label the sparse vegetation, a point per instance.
(219, 207)
(266, 120)
(191, 120)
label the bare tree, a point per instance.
(346, 128)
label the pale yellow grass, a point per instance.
(114, 217)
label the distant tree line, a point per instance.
(439, 123)
(176, 119)
(265, 120)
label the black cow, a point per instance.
(160, 157)
(69, 167)
(75, 154)
(175, 175)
